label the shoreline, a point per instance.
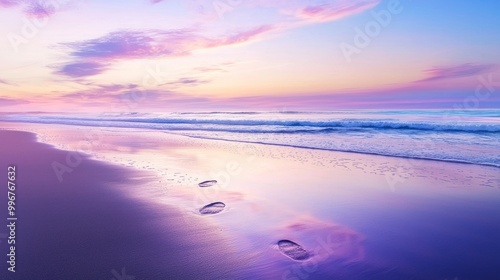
(172, 132)
(349, 152)
(351, 202)
(85, 228)
(402, 167)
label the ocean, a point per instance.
(207, 209)
(466, 136)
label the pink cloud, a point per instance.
(416, 94)
(92, 56)
(157, 43)
(11, 102)
(243, 36)
(304, 11)
(334, 10)
(129, 96)
(9, 3)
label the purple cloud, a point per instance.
(334, 10)
(9, 3)
(40, 9)
(82, 69)
(92, 56)
(113, 92)
(138, 44)
(116, 87)
(186, 81)
(156, 43)
(96, 94)
(147, 44)
(140, 98)
(381, 98)
(458, 71)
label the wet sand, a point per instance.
(85, 228)
(270, 212)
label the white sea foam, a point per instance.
(469, 137)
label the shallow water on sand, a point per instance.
(356, 216)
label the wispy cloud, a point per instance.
(12, 101)
(113, 92)
(38, 8)
(112, 96)
(156, 43)
(209, 69)
(334, 10)
(456, 71)
(100, 96)
(10, 3)
(91, 57)
(138, 44)
(186, 81)
(4, 82)
(284, 10)
(117, 87)
(379, 98)
(81, 69)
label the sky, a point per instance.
(250, 55)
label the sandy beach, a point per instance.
(135, 202)
(85, 227)
(249, 140)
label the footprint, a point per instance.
(207, 184)
(212, 208)
(293, 250)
